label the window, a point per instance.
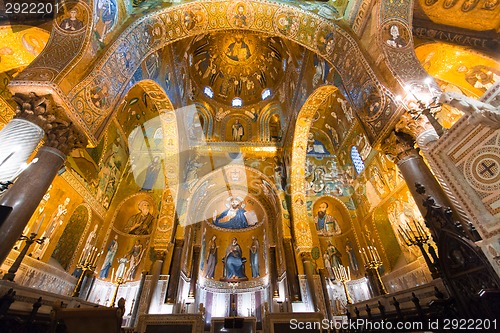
(356, 160)
(208, 91)
(237, 102)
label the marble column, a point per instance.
(309, 270)
(401, 147)
(291, 271)
(155, 277)
(31, 185)
(18, 140)
(195, 267)
(175, 272)
(20, 137)
(274, 272)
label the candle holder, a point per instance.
(372, 263)
(416, 236)
(87, 263)
(343, 275)
(11, 274)
(118, 282)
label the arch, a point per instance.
(251, 185)
(206, 116)
(302, 231)
(171, 160)
(322, 36)
(264, 120)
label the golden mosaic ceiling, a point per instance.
(477, 15)
(237, 64)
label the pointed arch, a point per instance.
(371, 100)
(302, 231)
(265, 118)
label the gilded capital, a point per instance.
(65, 136)
(399, 146)
(160, 254)
(61, 133)
(35, 109)
(305, 256)
(413, 124)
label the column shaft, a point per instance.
(25, 195)
(18, 140)
(291, 271)
(155, 277)
(175, 272)
(309, 270)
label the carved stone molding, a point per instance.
(65, 137)
(36, 109)
(412, 124)
(305, 256)
(160, 254)
(400, 146)
(43, 111)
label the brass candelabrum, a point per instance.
(86, 263)
(416, 236)
(118, 282)
(11, 274)
(372, 261)
(343, 275)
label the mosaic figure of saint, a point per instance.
(234, 265)
(254, 257)
(211, 258)
(326, 224)
(72, 23)
(142, 222)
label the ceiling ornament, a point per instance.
(237, 64)
(119, 61)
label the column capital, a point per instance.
(160, 254)
(61, 133)
(400, 146)
(36, 109)
(413, 124)
(65, 136)
(305, 256)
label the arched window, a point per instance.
(359, 165)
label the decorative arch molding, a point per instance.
(265, 117)
(395, 38)
(219, 180)
(372, 101)
(302, 230)
(208, 119)
(171, 160)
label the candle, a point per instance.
(365, 256)
(403, 237)
(376, 253)
(112, 275)
(348, 274)
(39, 224)
(370, 254)
(80, 261)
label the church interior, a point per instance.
(249, 165)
